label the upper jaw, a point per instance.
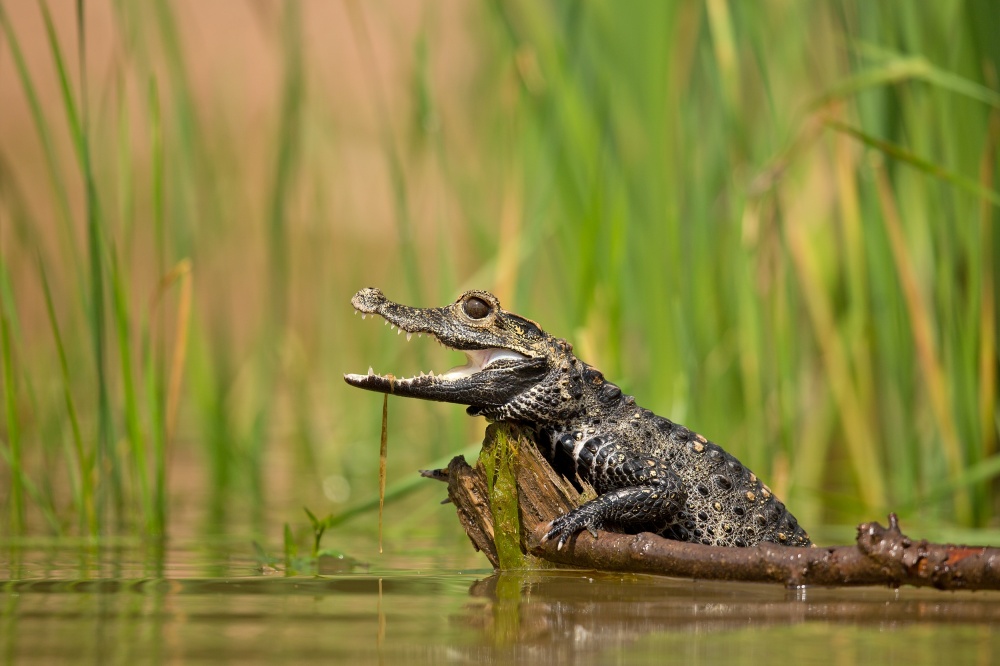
(440, 323)
(371, 300)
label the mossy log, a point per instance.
(506, 501)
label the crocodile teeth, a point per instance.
(477, 360)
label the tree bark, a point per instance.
(881, 556)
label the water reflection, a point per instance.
(394, 615)
(574, 616)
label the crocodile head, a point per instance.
(507, 355)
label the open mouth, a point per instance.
(477, 360)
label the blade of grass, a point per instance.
(723, 42)
(900, 67)
(935, 380)
(853, 417)
(897, 71)
(195, 189)
(107, 460)
(83, 469)
(988, 314)
(382, 456)
(125, 185)
(52, 163)
(13, 439)
(181, 272)
(40, 498)
(155, 407)
(138, 465)
(898, 152)
(163, 408)
(157, 164)
(162, 411)
(858, 278)
(289, 140)
(65, 88)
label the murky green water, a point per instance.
(198, 603)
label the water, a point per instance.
(211, 602)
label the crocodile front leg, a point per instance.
(636, 492)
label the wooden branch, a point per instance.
(881, 556)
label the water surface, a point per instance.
(199, 602)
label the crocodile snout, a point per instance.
(368, 300)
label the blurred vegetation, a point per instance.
(773, 222)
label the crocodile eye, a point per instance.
(476, 308)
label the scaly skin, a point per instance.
(651, 474)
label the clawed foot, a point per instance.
(567, 525)
(630, 509)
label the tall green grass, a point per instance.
(773, 223)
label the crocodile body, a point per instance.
(650, 474)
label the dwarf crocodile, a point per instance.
(650, 474)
